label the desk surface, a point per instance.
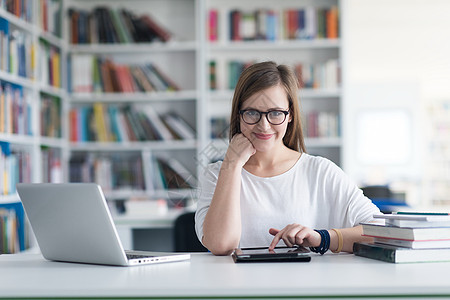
(205, 275)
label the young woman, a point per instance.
(268, 190)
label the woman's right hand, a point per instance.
(239, 150)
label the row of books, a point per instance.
(125, 171)
(50, 64)
(166, 173)
(112, 171)
(90, 73)
(220, 127)
(108, 25)
(407, 237)
(13, 233)
(22, 9)
(325, 75)
(50, 116)
(15, 167)
(50, 16)
(15, 109)
(322, 124)
(52, 170)
(16, 51)
(271, 24)
(112, 123)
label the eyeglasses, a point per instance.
(253, 116)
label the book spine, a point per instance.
(378, 253)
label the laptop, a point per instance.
(72, 223)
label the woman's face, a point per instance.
(264, 135)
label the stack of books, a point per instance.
(407, 237)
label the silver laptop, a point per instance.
(72, 223)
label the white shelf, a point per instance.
(134, 146)
(9, 198)
(52, 39)
(171, 46)
(51, 90)
(18, 139)
(19, 80)
(217, 95)
(53, 142)
(275, 45)
(134, 97)
(150, 194)
(326, 142)
(17, 22)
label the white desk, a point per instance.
(207, 276)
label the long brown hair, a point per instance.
(261, 76)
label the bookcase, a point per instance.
(135, 97)
(302, 34)
(142, 111)
(32, 104)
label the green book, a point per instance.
(394, 254)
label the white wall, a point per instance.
(396, 56)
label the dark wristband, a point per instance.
(324, 242)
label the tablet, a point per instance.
(279, 254)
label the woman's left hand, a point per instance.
(295, 234)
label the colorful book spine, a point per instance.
(13, 231)
(50, 16)
(16, 51)
(111, 26)
(23, 9)
(15, 103)
(296, 24)
(94, 74)
(111, 171)
(322, 124)
(50, 116)
(15, 167)
(51, 165)
(112, 123)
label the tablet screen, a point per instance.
(279, 254)
(278, 250)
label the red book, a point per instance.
(236, 17)
(160, 32)
(213, 30)
(73, 125)
(292, 24)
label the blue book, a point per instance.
(271, 20)
(112, 110)
(20, 216)
(4, 27)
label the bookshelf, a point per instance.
(142, 109)
(71, 115)
(32, 105)
(241, 32)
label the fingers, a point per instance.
(240, 149)
(273, 231)
(293, 234)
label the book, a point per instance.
(413, 244)
(179, 126)
(415, 220)
(406, 233)
(154, 118)
(396, 254)
(13, 233)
